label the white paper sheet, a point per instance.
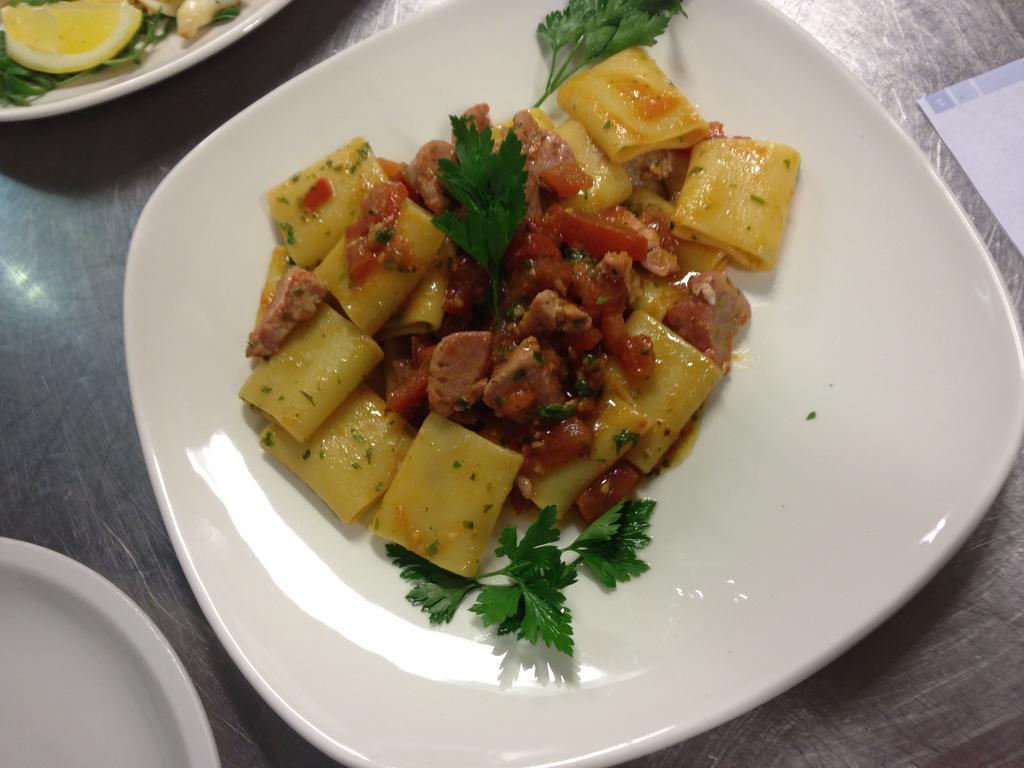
(982, 122)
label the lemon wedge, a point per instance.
(69, 36)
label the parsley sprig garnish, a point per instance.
(589, 31)
(530, 601)
(490, 186)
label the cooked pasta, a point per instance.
(629, 107)
(736, 198)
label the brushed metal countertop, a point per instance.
(939, 684)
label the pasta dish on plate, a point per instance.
(524, 316)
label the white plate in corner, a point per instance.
(780, 541)
(86, 679)
(169, 57)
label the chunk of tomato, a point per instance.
(318, 195)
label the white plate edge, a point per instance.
(945, 548)
(119, 87)
(126, 617)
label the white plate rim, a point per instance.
(132, 81)
(944, 549)
(133, 625)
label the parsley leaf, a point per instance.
(534, 556)
(608, 547)
(491, 187)
(545, 614)
(530, 603)
(438, 592)
(590, 31)
(497, 604)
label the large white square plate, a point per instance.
(776, 545)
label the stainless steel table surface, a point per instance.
(939, 684)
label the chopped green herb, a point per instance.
(355, 465)
(575, 255)
(376, 523)
(283, 199)
(268, 438)
(623, 437)
(812, 416)
(289, 261)
(384, 235)
(473, 476)
(289, 232)
(226, 14)
(758, 199)
(266, 390)
(358, 437)
(379, 486)
(787, 163)
(556, 412)
(519, 374)
(464, 404)
(456, 465)
(488, 508)
(602, 300)
(607, 124)
(432, 549)
(696, 170)
(305, 454)
(538, 356)
(468, 525)
(362, 153)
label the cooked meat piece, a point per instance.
(480, 114)
(421, 174)
(709, 315)
(527, 378)
(717, 130)
(458, 371)
(604, 289)
(549, 158)
(656, 165)
(534, 207)
(658, 260)
(617, 264)
(550, 313)
(296, 299)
